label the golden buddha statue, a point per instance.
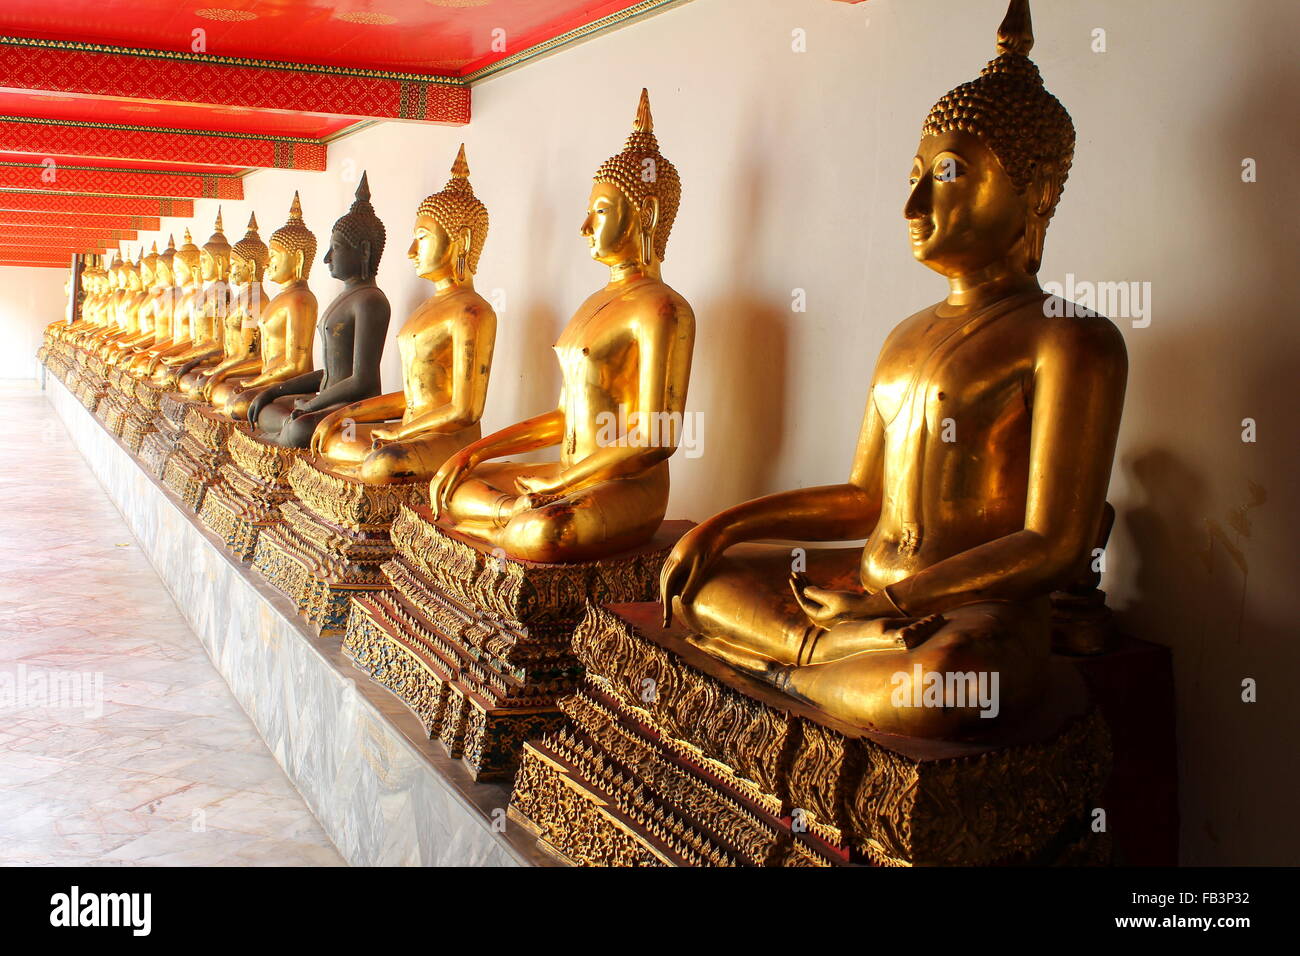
(110, 328)
(208, 312)
(980, 475)
(70, 331)
(446, 348)
(239, 357)
(136, 332)
(625, 357)
(181, 301)
(352, 333)
(286, 326)
(161, 304)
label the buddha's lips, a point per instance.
(921, 231)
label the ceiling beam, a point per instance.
(95, 205)
(56, 177)
(65, 234)
(112, 141)
(60, 66)
(78, 220)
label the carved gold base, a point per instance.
(332, 542)
(670, 758)
(479, 646)
(195, 466)
(254, 485)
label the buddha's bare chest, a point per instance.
(941, 370)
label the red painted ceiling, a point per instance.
(263, 75)
(421, 36)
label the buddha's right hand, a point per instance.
(686, 567)
(444, 484)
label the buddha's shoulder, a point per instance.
(658, 295)
(1066, 327)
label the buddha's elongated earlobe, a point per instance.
(649, 221)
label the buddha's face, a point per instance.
(283, 265)
(610, 226)
(146, 274)
(963, 212)
(209, 265)
(184, 275)
(431, 249)
(241, 270)
(163, 274)
(132, 279)
(345, 260)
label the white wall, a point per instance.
(795, 168)
(30, 299)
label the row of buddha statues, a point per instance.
(965, 539)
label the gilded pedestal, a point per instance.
(140, 415)
(161, 442)
(478, 644)
(196, 464)
(671, 758)
(255, 482)
(332, 542)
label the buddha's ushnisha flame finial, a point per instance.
(154, 250)
(252, 223)
(641, 172)
(189, 240)
(217, 242)
(295, 208)
(457, 208)
(1016, 32)
(171, 241)
(363, 189)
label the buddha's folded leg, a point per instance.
(487, 496)
(347, 447)
(238, 404)
(990, 660)
(275, 414)
(297, 432)
(226, 389)
(746, 610)
(411, 459)
(597, 520)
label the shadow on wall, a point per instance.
(746, 368)
(1200, 525)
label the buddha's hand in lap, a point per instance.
(537, 486)
(324, 431)
(685, 569)
(382, 436)
(856, 621)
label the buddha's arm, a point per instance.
(1078, 395)
(472, 346)
(825, 513)
(381, 408)
(540, 431)
(369, 332)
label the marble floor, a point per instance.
(120, 744)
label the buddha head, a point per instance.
(249, 256)
(149, 268)
(357, 239)
(116, 277)
(131, 273)
(991, 165)
(214, 258)
(165, 270)
(451, 228)
(634, 199)
(292, 248)
(186, 262)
